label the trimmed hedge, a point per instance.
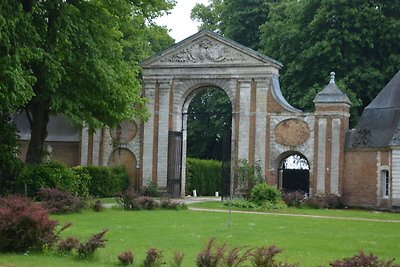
(107, 181)
(51, 174)
(204, 176)
(80, 181)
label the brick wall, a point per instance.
(65, 152)
(360, 178)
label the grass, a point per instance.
(309, 241)
(347, 213)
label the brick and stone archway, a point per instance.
(264, 124)
(124, 157)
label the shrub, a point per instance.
(68, 244)
(362, 260)
(235, 258)
(84, 179)
(57, 201)
(177, 259)
(126, 258)
(107, 181)
(128, 200)
(203, 175)
(265, 257)
(48, 175)
(294, 199)
(271, 206)
(170, 204)
(154, 258)
(24, 225)
(151, 190)
(98, 206)
(264, 192)
(325, 201)
(210, 257)
(147, 203)
(87, 249)
(248, 175)
(242, 203)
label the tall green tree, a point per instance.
(357, 39)
(238, 20)
(82, 61)
(209, 117)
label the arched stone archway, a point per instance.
(264, 124)
(294, 173)
(124, 157)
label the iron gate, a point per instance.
(174, 171)
(226, 163)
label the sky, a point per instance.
(179, 21)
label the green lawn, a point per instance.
(309, 241)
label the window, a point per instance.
(385, 183)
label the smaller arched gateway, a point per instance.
(294, 174)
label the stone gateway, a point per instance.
(362, 165)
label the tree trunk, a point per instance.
(40, 119)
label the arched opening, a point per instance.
(124, 157)
(294, 173)
(208, 123)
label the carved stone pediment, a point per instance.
(204, 51)
(208, 48)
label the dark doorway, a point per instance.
(294, 174)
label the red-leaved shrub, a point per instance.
(57, 201)
(363, 260)
(154, 258)
(86, 249)
(68, 244)
(24, 225)
(126, 257)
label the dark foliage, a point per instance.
(151, 190)
(57, 201)
(126, 258)
(98, 206)
(154, 258)
(210, 256)
(147, 203)
(363, 260)
(87, 249)
(68, 244)
(325, 201)
(10, 165)
(294, 199)
(235, 257)
(24, 225)
(265, 257)
(170, 204)
(128, 200)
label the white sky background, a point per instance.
(179, 21)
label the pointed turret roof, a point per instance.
(379, 125)
(331, 93)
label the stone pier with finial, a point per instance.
(332, 119)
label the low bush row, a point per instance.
(132, 200)
(80, 181)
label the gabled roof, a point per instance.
(207, 47)
(379, 125)
(331, 93)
